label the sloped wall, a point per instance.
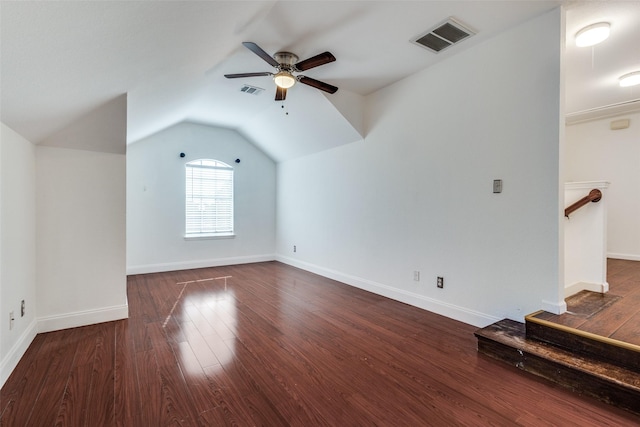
(416, 194)
(81, 222)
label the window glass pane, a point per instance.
(209, 197)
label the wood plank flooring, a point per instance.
(277, 347)
(620, 320)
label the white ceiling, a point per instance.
(60, 60)
(591, 74)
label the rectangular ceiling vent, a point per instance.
(445, 35)
(251, 90)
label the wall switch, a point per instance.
(440, 282)
(294, 248)
(497, 186)
(22, 309)
(416, 276)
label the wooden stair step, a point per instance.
(602, 348)
(506, 341)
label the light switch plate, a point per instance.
(497, 186)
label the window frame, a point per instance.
(212, 188)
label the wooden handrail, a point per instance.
(594, 196)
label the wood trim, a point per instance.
(594, 196)
(606, 340)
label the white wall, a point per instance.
(416, 195)
(81, 226)
(585, 246)
(155, 200)
(594, 152)
(17, 247)
(103, 129)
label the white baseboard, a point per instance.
(602, 288)
(455, 312)
(553, 307)
(82, 318)
(628, 257)
(188, 265)
(12, 358)
(54, 323)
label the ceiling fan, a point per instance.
(286, 64)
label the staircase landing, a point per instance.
(585, 363)
(593, 348)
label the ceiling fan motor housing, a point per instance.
(287, 61)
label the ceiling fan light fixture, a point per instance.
(284, 79)
(593, 34)
(631, 79)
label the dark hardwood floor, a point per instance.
(277, 347)
(621, 319)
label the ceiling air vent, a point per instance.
(444, 35)
(251, 90)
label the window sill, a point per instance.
(209, 236)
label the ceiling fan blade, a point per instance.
(237, 76)
(261, 53)
(317, 84)
(315, 61)
(281, 93)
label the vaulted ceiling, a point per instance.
(63, 60)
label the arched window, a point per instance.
(209, 198)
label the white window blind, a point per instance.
(209, 198)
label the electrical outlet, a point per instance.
(22, 309)
(295, 248)
(440, 282)
(416, 276)
(11, 319)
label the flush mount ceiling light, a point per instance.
(593, 34)
(630, 79)
(284, 79)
